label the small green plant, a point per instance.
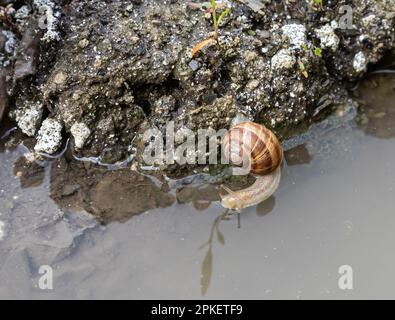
(317, 52)
(216, 22)
(221, 17)
(319, 3)
(303, 70)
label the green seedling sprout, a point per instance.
(303, 70)
(216, 21)
(319, 3)
(318, 52)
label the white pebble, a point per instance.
(81, 133)
(328, 37)
(360, 62)
(283, 60)
(296, 34)
(29, 119)
(49, 137)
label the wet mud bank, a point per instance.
(117, 193)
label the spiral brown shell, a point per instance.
(258, 142)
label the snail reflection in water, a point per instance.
(263, 151)
(260, 148)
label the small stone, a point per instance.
(283, 60)
(60, 78)
(253, 84)
(29, 119)
(10, 43)
(328, 37)
(76, 95)
(134, 40)
(194, 65)
(22, 15)
(30, 157)
(81, 133)
(49, 137)
(83, 43)
(360, 62)
(98, 62)
(296, 34)
(368, 20)
(250, 56)
(263, 34)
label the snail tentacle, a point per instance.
(227, 189)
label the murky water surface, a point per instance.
(119, 234)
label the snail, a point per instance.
(263, 151)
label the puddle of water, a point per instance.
(119, 234)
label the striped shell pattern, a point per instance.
(255, 142)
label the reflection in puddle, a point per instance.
(207, 265)
(30, 174)
(201, 196)
(298, 155)
(263, 209)
(115, 195)
(377, 111)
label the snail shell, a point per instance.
(257, 143)
(260, 146)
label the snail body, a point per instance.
(259, 147)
